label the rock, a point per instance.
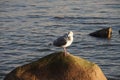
(56, 66)
(103, 33)
(119, 31)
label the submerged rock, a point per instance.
(56, 66)
(103, 33)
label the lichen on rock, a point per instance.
(56, 66)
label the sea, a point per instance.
(27, 27)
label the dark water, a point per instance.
(28, 26)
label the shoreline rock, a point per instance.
(102, 33)
(56, 66)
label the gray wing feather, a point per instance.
(60, 41)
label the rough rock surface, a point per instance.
(56, 66)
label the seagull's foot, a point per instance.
(65, 53)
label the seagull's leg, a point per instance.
(65, 51)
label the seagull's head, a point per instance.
(70, 33)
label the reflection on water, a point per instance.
(27, 27)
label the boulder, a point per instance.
(102, 33)
(56, 66)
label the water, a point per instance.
(28, 26)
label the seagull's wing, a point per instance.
(60, 41)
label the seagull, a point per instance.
(64, 41)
